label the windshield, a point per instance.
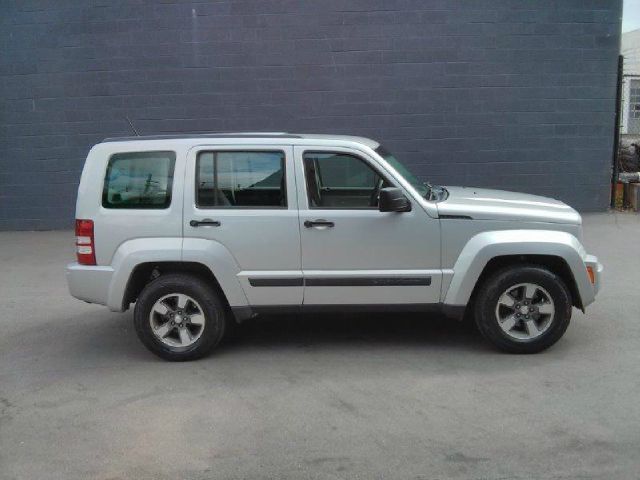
(428, 191)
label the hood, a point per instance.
(485, 204)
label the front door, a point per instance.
(244, 199)
(353, 254)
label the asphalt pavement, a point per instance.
(322, 397)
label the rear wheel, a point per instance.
(179, 317)
(523, 309)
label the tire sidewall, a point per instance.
(213, 310)
(490, 292)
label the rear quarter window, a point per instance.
(139, 180)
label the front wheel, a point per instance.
(179, 317)
(523, 309)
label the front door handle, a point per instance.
(207, 222)
(318, 223)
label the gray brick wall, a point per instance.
(515, 94)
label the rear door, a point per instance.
(244, 198)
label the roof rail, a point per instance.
(202, 135)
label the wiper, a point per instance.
(430, 189)
(435, 193)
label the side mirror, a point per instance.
(393, 200)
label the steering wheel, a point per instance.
(373, 200)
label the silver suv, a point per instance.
(203, 231)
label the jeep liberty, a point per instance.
(202, 231)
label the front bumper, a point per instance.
(597, 268)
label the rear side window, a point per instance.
(139, 180)
(241, 179)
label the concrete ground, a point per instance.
(323, 397)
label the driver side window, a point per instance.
(341, 181)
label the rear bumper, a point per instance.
(89, 283)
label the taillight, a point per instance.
(85, 244)
(592, 275)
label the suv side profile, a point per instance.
(202, 231)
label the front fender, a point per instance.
(487, 245)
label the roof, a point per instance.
(284, 135)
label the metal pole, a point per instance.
(616, 132)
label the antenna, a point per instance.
(132, 127)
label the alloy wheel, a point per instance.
(525, 311)
(177, 320)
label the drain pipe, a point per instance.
(616, 131)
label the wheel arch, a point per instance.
(146, 272)
(136, 260)
(553, 263)
(487, 252)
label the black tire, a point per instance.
(493, 287)
(212, 305)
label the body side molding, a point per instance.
(358, 281)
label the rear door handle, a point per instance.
(207, 222)
(318, 223)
